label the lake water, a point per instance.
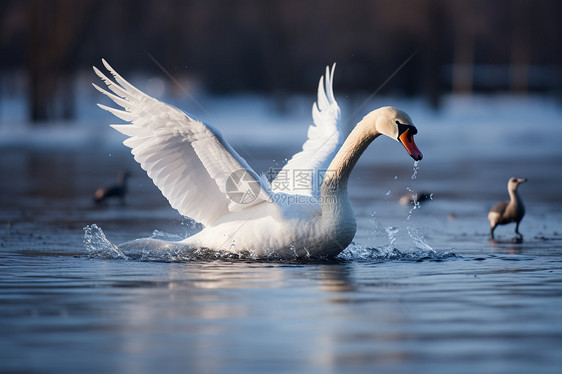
(421, 289)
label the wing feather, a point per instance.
(190, 162)
(303, 172)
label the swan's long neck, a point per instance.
(335, 200)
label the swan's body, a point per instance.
(205, 179)
(508, 211)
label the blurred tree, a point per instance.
(520, 46)
(56, 29)
(282, 46)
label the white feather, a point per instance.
(189, 161)
(324, 140)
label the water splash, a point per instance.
(157, 234)
(356, 252)
(419, 240)
(97, 244)
(191, 226)
(392, 232)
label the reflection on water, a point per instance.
(116, 315)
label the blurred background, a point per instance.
(277, 48)
(482, 80)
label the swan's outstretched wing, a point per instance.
(303, 173)
(190, 162)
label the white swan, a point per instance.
(305, 210)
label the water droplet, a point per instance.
(415, 168)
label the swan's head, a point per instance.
(398, 125)
(513, 183)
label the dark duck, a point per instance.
(116, 191)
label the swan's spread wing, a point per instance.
(303, 173)
(190, 162)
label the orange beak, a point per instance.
(407, 140)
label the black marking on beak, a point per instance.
(402, 128)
